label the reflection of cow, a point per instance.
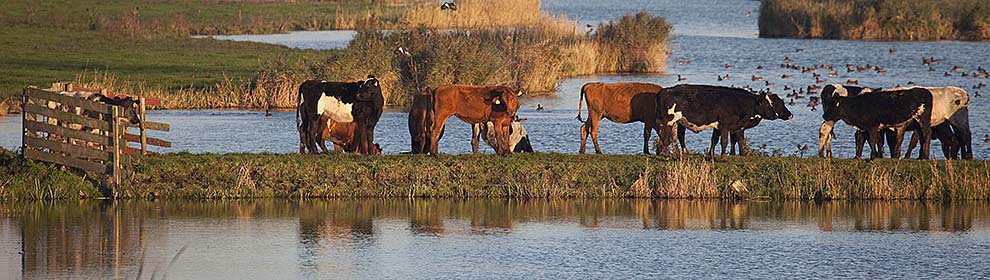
(359, 102)
(341, 135)
(518, 137)
(897, 110)
(950, 121)
(620, 103)
(473, 105)
(727, 110)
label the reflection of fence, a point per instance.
(80, 133)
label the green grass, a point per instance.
(37, 56)
(47, 41)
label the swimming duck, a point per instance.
(986, 138)
(756, 78)
(852, 82)
(787, 59)
(785, 76)
(679, 78)
(539, 107)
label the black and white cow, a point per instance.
(359, 102)
(729, 111)
(950, 121)
(518, 137)
(876, 111)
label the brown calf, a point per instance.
(620, 103)
(342, 136)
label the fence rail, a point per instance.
(84, 134)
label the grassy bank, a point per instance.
(520, 176)
(876, 19)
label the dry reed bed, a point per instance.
(556, 176)
(876, 20)
(533, 57)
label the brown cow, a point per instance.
(474, 105)
(620, 103)
(342, 136)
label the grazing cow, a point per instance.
(879, 110)
(518, 137)
(359, 102)
(728, 110)
(620, 103)
(341, 135)
(950, 121)
(473, 105)
(419, 125)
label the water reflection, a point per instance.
(106, 239)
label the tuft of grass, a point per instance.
(23, 179)
(876, 19)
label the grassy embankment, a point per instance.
(876, 19)
(519, 176)
(143, 48)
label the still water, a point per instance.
(362, 239)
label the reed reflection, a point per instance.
(104, 239)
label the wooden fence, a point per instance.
(83, 134)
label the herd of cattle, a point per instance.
(347, 113)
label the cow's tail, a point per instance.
(298, 105)
(581, 102)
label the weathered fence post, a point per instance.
(117, 135)
(144, 134)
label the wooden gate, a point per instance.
(83, 134)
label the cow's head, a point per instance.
(830, 108)
(370, 89)
(776, 105)
(376, 150)
(504, 102)
(129, 104)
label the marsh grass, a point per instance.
(533, 57)
(474, 14)
(876, 20)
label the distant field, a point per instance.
(148, 41)
(921, 20)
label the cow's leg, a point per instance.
(725, 139)
(950, 148)
(647, 132)
(895, 145)
(680, 138)
(584, 136)
(893, 141)
(475, 135)
(912, 143)
(312, 136)
(302, 128)
(436, 130)
(871, 138)
(861, 137)
(964, 136)
(926, 138)
(319, 140)
(825, 139)
(715, 138)
(595, 121)
(743, 145)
